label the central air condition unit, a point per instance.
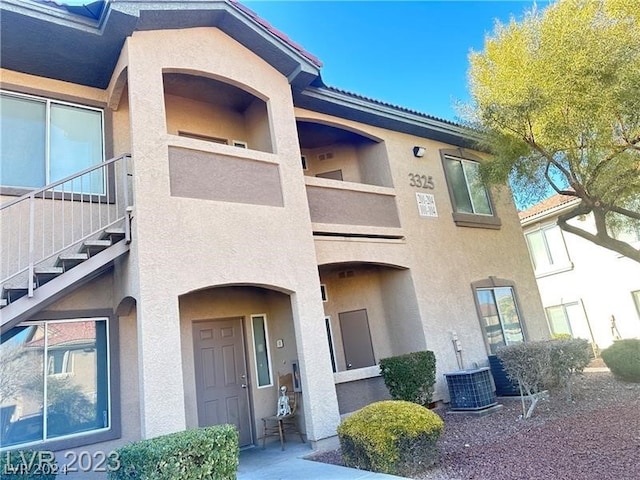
(471, 389)
(504, 385)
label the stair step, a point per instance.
(114, 234)
(92, 247)
(71, 260)
(45, 274)
(11, 294)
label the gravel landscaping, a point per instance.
(597, 436)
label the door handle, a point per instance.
(244, 385)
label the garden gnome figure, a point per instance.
(283, 403)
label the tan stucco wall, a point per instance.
(444, 259)
(195, 243)
(232, 302)
(99, 294)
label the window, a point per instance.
(636, 300)
(261, 349)
(55, 381)
(332, 353)
(323, 292)
(472, 206)
(499, 315)
(548, 250)
(568, 319)
(42, 141)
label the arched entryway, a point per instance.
(236, 340)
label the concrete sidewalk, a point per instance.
(274, 464)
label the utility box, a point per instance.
(471, 389)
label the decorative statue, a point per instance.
(283, 403)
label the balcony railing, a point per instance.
(51, 220)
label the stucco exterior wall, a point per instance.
(199, 243)
(599, 279)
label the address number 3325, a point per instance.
(421, 181)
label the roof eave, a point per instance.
(355, 108)
(551, 212)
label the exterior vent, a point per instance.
(471, 389)
(325, 156)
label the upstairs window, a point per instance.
(548, 250)
(470, 199)
(42, 141)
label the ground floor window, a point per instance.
(499, 316)
(261, 346)
(54, 380)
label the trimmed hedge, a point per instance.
(623, 359)
(28, 465)
(393, 436)
(203, 453)
(410, 377)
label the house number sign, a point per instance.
(421, 181)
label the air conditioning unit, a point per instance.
(504, 386)
(471, 389)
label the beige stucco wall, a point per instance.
(195, 244)
(232, 302)
(444, 259)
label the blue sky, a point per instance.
(409, 53)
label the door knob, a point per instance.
(349, 365)
(244, 385)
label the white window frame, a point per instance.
(323, 292)
(635, 295)
(47, 160)
(267, 346)
(332, 343)
(552, 267)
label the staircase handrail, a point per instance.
(117, 201)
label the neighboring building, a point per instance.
(252, 220)
(588, 291)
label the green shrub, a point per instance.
(203, 453)
(568, 357)
(623, 359)
(393, 436)
(28, 465)
(410, 377)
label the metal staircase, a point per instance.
(61, 236)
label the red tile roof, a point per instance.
(276, 33)
(68, 333)
(550, 203)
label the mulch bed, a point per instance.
(595, 437)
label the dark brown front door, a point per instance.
(221, 375)
(356, 339)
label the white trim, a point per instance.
(266, 345)
(323, 292)
(332, 345)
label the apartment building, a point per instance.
(587, 291)
(188, 211)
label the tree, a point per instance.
(556, 99)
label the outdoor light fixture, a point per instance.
(418, 152)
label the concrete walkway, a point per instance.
(274, 464)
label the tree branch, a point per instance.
(600, 238)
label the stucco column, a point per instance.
(160, 367)
(321, 411)
(162, 406)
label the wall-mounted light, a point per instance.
(418, 152)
